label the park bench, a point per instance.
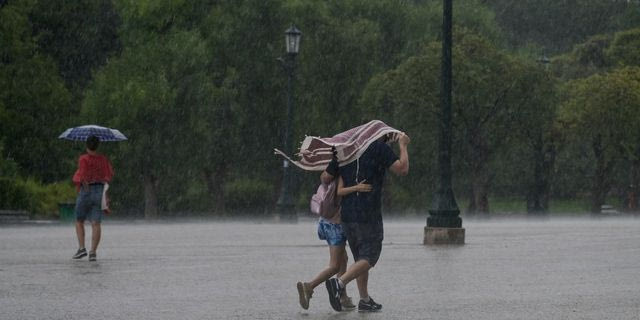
(13, 216)
(608, 209)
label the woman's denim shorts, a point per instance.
(331, 232)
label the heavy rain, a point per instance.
(138, 177)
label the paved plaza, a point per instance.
(508, 269)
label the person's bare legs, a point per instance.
(343, 264)
(362, 282)
(337, 255)
(345, 300)
(355, 270)
(95, 236)
(80, 233)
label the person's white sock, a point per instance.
(340, 283)
(365, 299)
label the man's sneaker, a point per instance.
(333, 288)
(347, 303)
(80, 254)
(370, 306)
(305, 292)
(92, 256)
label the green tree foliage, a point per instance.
(559, 24)
(493, 93)
(198, 88)
(625, 48)
(78, 35)
(8, 167)
(585, 59)
(159, 93)
(492, 96)
(34, 104)
(245, 38)
(599, 53)
(601, 112)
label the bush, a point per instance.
(247, 194)
(33, 196)
(13, 194)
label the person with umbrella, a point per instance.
(92, 177)
(92, 181)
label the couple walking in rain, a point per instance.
(357, 161)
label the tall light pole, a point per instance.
(537, 199)
(444, 226)
(285, 204)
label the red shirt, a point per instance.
(93, 168)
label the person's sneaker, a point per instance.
(333, 288)
(92, 256)
(370, 306)
(80, 254)
(304, 292)
(347, 303)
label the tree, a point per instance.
(245, 38)
(625, 48)
(601, 111)
(536, 132)
(407, 98)
(492, 98)
(558, 25)
(600, 53)
(78, 35)
(34, 104)
(160, 94)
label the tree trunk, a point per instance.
(601, 184)
(150, 197)
(548, 164)
(480, 180)
(534, 205)
(479, 202)
(215, 180)
(632, 193)
(543, 162)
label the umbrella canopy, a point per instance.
(83, 132)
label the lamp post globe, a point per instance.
(292, 40)
(285, 206)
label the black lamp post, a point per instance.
(444, 226)
(537, 200)
(285, 204)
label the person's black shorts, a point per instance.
(365, 240)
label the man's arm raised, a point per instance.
(401, 166)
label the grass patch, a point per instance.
(518, 205)
(569, 206)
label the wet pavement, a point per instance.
(509, 269)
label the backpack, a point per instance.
(325, 202)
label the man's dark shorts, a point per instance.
(365, 240)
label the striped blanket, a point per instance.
(315, 152)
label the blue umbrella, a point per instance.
(83, 132)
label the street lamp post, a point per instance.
(285, 204)
(444, 226)
(537, 199)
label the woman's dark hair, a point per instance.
(92, 143)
